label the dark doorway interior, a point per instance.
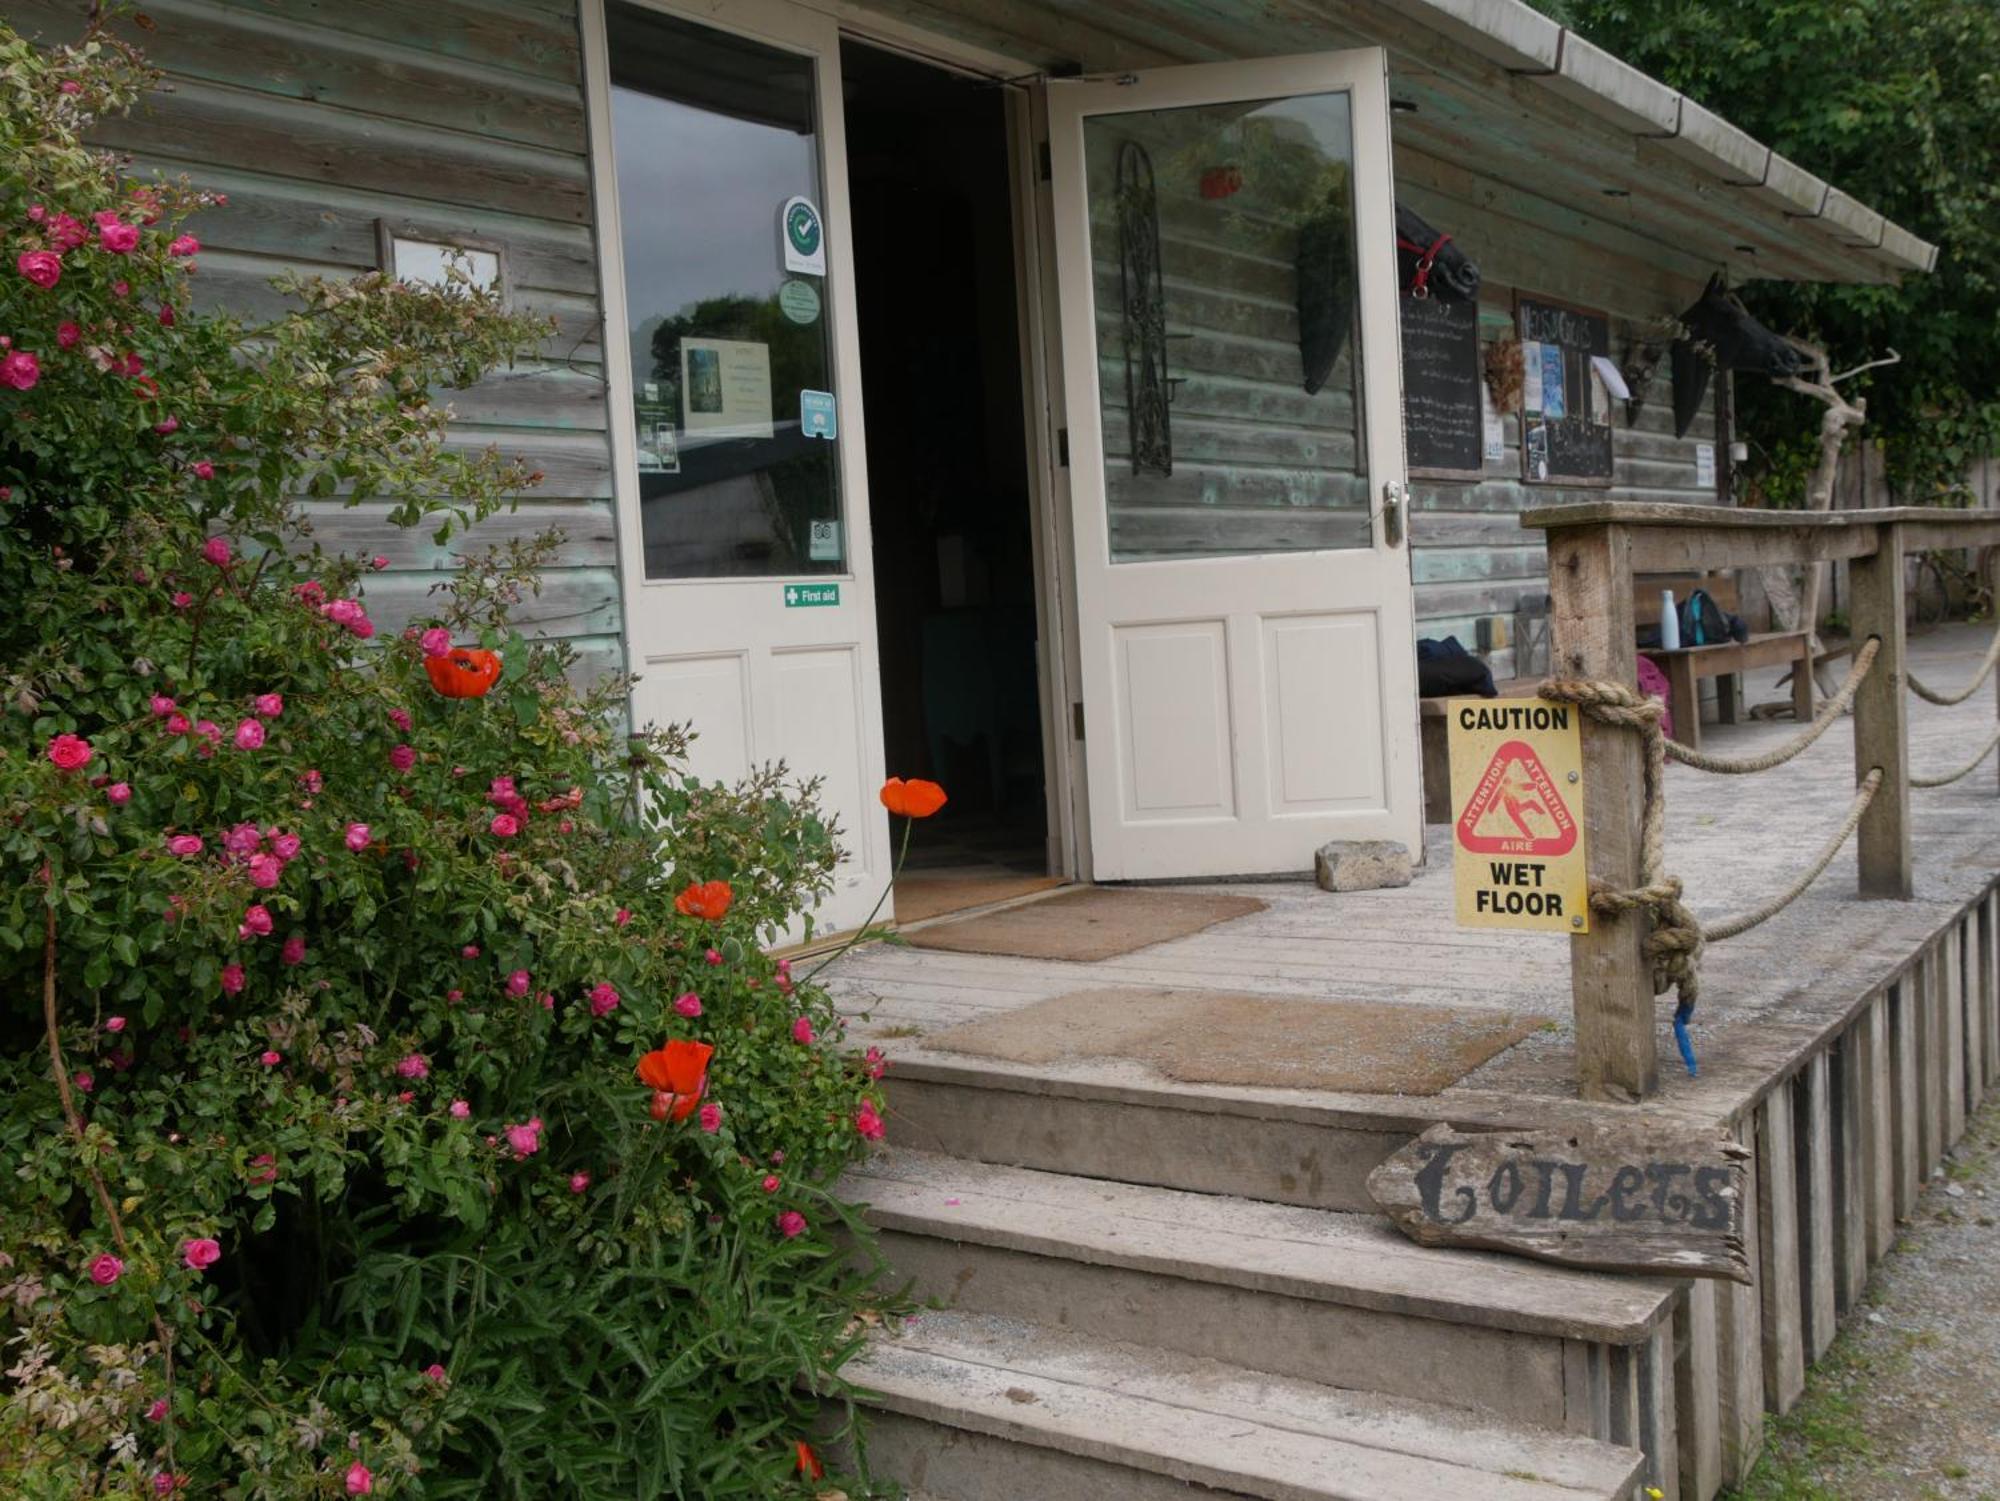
(948, 492)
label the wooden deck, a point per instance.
(1767, 996)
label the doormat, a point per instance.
(1098, 922)
(1280, 1042)
(921, 895)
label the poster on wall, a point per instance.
(726, 388)
(1566, 395)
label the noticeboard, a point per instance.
(1566, 405)
(1443, 421)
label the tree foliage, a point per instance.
(1893, 102)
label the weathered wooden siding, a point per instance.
(456, 117)
(1470, 557)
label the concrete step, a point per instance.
(1289, 1146)
(1338, 1299)
(975, 1408)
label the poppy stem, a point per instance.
(867, 923)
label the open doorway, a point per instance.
(948, 481)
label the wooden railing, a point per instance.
(1594, 550)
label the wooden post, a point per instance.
(1881, 719)
(1611, 986)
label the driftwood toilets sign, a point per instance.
(1614, 1198)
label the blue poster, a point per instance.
(816, 418)
(1553, 406)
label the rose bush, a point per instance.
(395, 1095)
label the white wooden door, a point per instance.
(1225, 251)
(736, 402)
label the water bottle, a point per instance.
(1670, 622)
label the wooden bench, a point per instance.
(1724, 661)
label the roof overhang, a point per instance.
(1497, 89)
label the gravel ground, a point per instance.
(1906, 1405)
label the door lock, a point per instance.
(1394, 498)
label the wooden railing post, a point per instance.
(1611, 987)
(1881, 718)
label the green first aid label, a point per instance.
(799, 596)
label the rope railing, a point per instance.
(1717, 929)
(1842, 700)
(1946, 700)
(1964, 771)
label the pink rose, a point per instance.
(67, 335)
(712, 957)
(867, 1122)
(400, 718)
(518, 983)
(436, 642)
(791, 1224)
(460, 1110)
(218, 551)
(120, 793)
(202, 469)
(770, 1183)
(434, 1372)
(117, 237)
(266, 1168)
(875, 1063)
(161, 705)
(403, 757)
(114, 1024)
(311, 592)
(265, 871)
(65, 233)
(622, 916)
(285, 846)
(378, 562)
(341, 611)
(688, 1005)
(415, 1066)
(357, 837)
(268, 705)
(360, 1479)
(505, 825)
(184, 245)
(362, 627)
(470, 951)
(177, 724)
(42, 267)
(525, 1140)
(199, 1254)
(70, 752)
(603, 1000)
(579, 1182)
(242, 838)
(158, 1411)
(232, 979)
(208, 729)
(250, 734)
(802, 1030)
(184, 844)
(84, 1080)
(256, 921)
(294, 951)
(21, 370)
(70, 86)
(182, 599)
(106, 1269)
(312, 781)
(711, 1117)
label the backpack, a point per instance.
(1703, 622)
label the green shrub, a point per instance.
(327, 1169)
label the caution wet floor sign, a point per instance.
(1517, 814)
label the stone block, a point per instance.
(1362, 865)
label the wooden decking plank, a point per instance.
(1778, 1270)
(1814, 1103)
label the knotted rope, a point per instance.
(1673, 947)
(1831, 710)
(1946, 700)
(1966, 770)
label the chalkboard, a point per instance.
(1565, 404)
(1443, 426)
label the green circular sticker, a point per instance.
(799, 301)
(802, 228)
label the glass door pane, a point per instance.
(1223, 268)
(717, 147)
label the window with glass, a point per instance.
(719, 202)
(1223, 263)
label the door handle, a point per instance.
(1394, 498)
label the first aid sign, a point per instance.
(1517, 814)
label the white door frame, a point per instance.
(1363, 74)
(816, 36)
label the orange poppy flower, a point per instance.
(464, 672)
(707, 899)
(809, 1465)
(912, 799)
(678, 1073)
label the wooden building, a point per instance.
(1006, 390)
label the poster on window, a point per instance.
(726, 388)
